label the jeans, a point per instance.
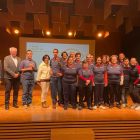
(56, 86)
(27, 86)
(124, 94)
(69, 90)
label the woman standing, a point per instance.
(134, 87)
(85, 85)
(115, 79)
(69, 83)
(43, 78)
(99, 81)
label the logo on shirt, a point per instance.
(73, 68)
(88, 70)
(117, 67)
(101, 67)
(91, 64)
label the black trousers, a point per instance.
(9, 84)
(134, 93)
(87, 92)
(93, 90)
(114, 89)
(98, 95)
(106, 95)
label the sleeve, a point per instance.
(35, 67)
(1, 75)
(105, 75)
(21, 66)
(81, 76)
(39, 73)
(6, 68)
(121, 71)
(91, 76)
(138, 67)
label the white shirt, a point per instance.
(15, 60)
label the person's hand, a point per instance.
(30, 68)
(57, 59)
(51, 73)
(121, 84)
(59, 74)
(38, 83)
(0, 82)
(31, 65)
(16, 76)
(93, 84)
(87, 82)
(105, 85)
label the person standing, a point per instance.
(56, 80)
(64, 58)
(121, 57)
(99, 81)
(1, 74)
(43, 78)
(28, 67)
(72, 54)
(85, 85)
(115, 79)
(12, 77)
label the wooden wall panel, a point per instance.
(65, 1)
(88, 29)
(27, 27)
(3, 19)
(59, 29)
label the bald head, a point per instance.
(88, 57)
(13, 51)
(72, 54)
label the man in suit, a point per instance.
(12, 77)
(1, 75)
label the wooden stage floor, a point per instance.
(39, 114)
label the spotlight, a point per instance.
(48, 33)
(99, 34)
(70, 33)
(16, 31)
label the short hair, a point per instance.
(69, 58)
(28, 51)
(125, 59)
(55, 49)
(113, 56)
(77, 54)
(121, 53)
(97, 58)
(134, 58)
(63, 53)
(91, 54)
(88, 54)
(104, 56)
(44, 57)
(84, 61)
(12, 48)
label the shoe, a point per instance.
(127, 105)
(118, 106)
(111, 106)
(106, 104)
(83, 105)
(95, 107)
(15, 106)
(79, 107)
(137, 108)
(134, 106)
(62, 105)
(102, 107)
(123, 106)
(65, 107)
(25, 106)
(54, 106)
(74, 107)
(31, 106)
(44, 105)
(6, 107)
(77, 102)
(90, 108)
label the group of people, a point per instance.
(108, 80)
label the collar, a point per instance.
(45, 63)
(29, 60)
(13, 57)
(98, 65)
(77, 62)
(85, 69)
(114, 65)
(70, 66)
(89, 62)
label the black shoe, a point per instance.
(118, 106)
(83, 105)
(90, 108)
(79, 107)
(15, 105)
(77, 102)
(7, 107)
(65, 107)
(106, 104)
(111, 106)
(74, 107)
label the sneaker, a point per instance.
(90, 108)
(137, 108)
(123, 106)
(79, 107)
(65, 107)
(134, 106)
(31, 106)
(25, 106)
(102, 107)
(54, 106)
(95, 107)
(111, 106)
(62, 105)
(106, 104)
(127, 105)
(118, 106)
(74, 107)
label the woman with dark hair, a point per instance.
(134, 87)
(69, 79)
(63, 61)
(99, 81)
(85, 85)
(115, 79)
(43, 78)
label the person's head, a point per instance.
(133, 61)
(72, 54)
(85, 64)
(46, 58)
(98, 60)
(13, 51)
(88, 57)
(126, 61)
(64, 55)
(78, 56)
(70, 60)
(55, 52)
(113, 59)
(121, 56)
(104, 59)
(92, 57)
(29, 54)
(107, 58)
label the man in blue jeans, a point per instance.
(55, 80)
(28, 67)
